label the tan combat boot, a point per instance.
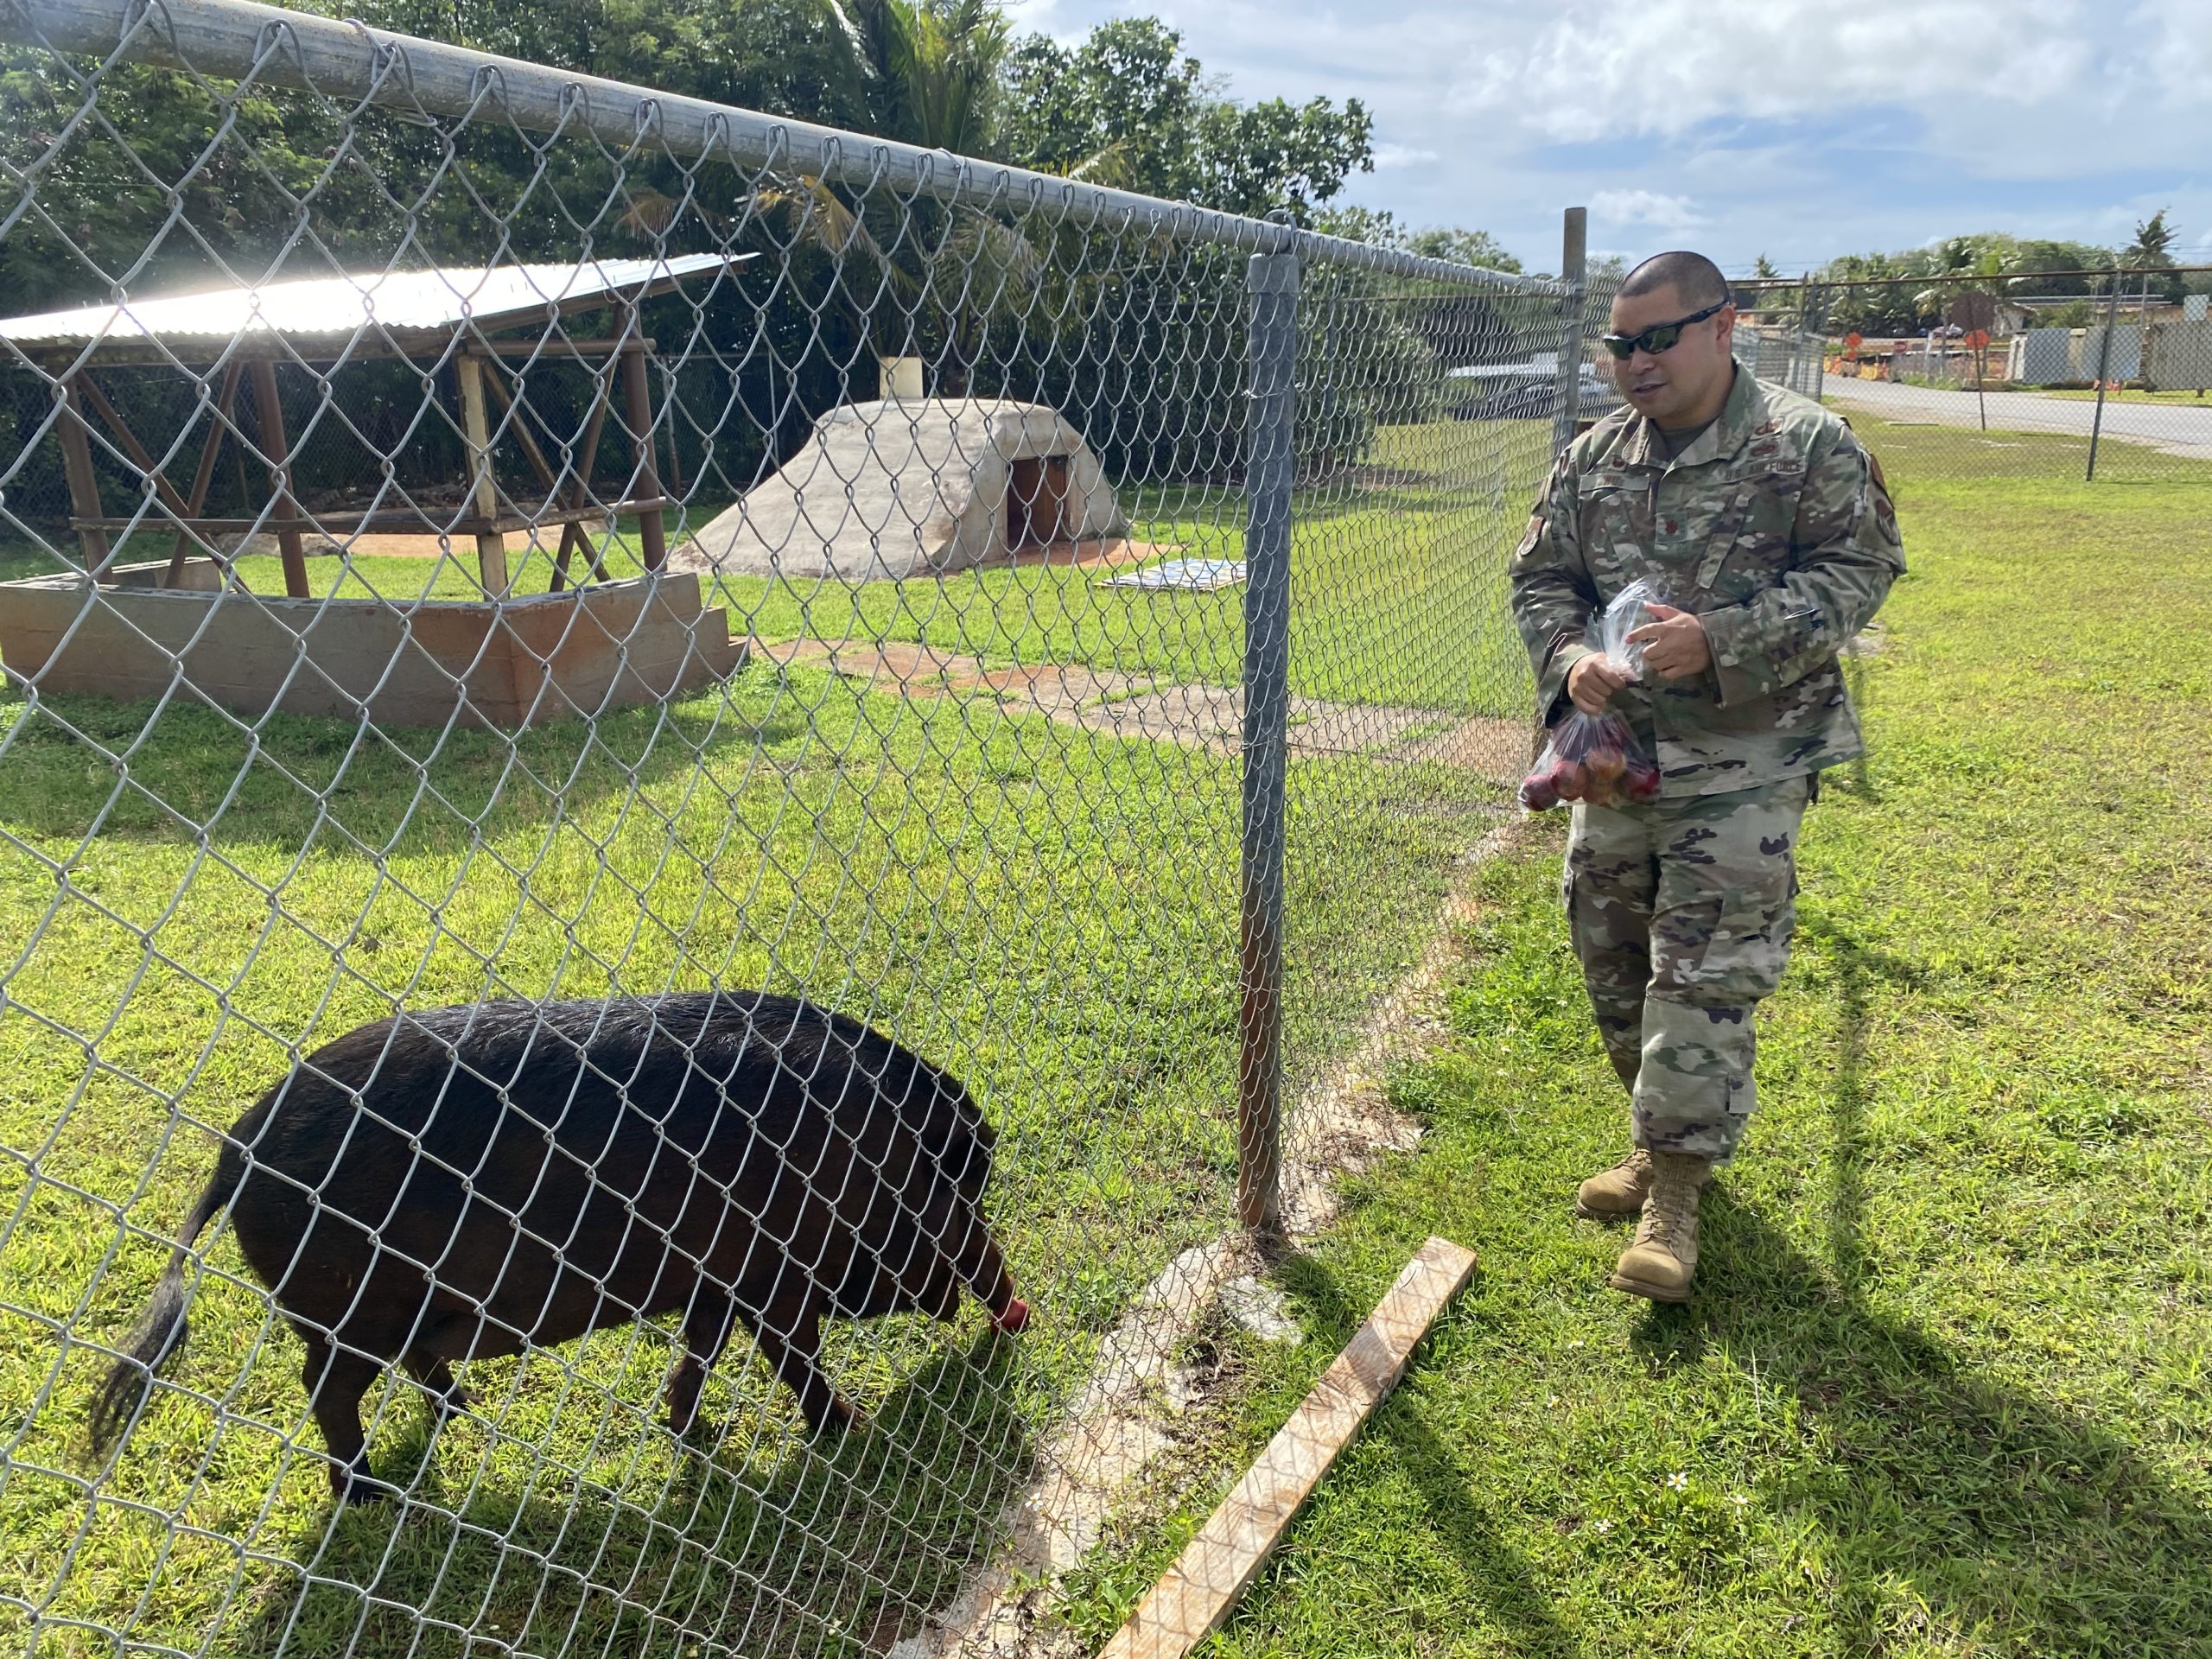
(1662, 1262)
(1613, 1193)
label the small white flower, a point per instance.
(1739, 1499)
(1601, 1526)
(1678, 1481)
(1554, 1401)
(1577, 1342)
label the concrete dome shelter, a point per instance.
(896, 489)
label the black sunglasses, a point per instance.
(1661, 337)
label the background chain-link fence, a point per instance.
(2080, 374)
(482, 540)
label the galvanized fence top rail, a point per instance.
(747, 736)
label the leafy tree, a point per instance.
(1905, 301)
(1464, 247)
(2036, 254)
(1121, 108)
(1128, 106)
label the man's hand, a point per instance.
(1591, 681)
(1674, 645)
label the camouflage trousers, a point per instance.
(1682, 913)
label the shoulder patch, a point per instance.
(1530, 537)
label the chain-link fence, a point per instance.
(695, 765)
(2065, 374)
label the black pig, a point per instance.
(460, 1183)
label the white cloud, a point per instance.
(1620, 67)
(1798, 128)
(1645, 207)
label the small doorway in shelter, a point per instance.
(1037, 502)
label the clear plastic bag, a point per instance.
(1608, 632)
(1596, 757)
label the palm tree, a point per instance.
(927, 73)
(2153, 237)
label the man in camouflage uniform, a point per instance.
(1766, 528)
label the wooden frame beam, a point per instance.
(1195, 1595)
(339, 525)
(74, 433)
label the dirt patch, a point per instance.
(1146, 707)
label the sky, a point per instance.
(1798, 128)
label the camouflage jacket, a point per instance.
(1774, 527)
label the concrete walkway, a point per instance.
(2177, 429)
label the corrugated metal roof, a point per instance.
(328, 307)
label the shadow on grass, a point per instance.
(1857, 966)
(840, 1549)
(2010, 1519)
(286, 781)
(1511, 1594)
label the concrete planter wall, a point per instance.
(511, 664)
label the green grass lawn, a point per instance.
(1943, 1389)
(2132, 394)
(1051, 912)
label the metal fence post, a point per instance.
(1572, 263)
(2104, 364)
(1816, 325)
(1272, 286)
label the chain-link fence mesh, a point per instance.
(774, 757)
(2112, 379)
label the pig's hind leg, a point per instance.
(706, 1328)
(336, 1379)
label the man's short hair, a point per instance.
(1693, 276)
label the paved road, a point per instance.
(2178, 429)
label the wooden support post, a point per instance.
(637, 412)
(270, 415)
(84, 482)
(1214, 1568)
(204, 475)
(484, 498)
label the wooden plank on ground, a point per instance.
(1198, 1591)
